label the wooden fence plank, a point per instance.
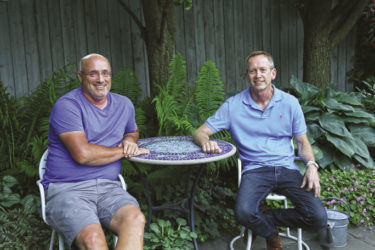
(103, 28)
(56, 39)
(42, 35)
(68, 25)
(191, 64)
(115, 36)
(62, 31)
(31, 47)
(238, 83)
(80, 31)
(126, 37)
(219, 39)
(199, 34)
(6, 64)
(18, 49)
(91, 26)
(229, 46)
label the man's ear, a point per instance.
(273, 73)
(79, 74)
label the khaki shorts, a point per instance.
(70, 207)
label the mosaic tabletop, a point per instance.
(179, 150)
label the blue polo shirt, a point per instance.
(263, 137)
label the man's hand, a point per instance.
(311, 179)
(131, 149)
(211, 147)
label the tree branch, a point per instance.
(344, 16)
(134, 17)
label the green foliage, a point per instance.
(20, 225)
(339, 128)
(174, 104)
(208, 82)
(165, 235)
(355, 188)
(368, 94)
(25, 121)
(215, 207)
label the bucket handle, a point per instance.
(339, 199)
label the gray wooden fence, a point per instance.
(41, 36)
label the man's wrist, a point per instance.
(312, 163)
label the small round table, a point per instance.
(178, 150)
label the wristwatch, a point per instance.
(312, 163)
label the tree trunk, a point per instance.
(317, 59)
(326, 23)
(159, 38)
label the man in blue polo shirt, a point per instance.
(262, 121)
(91, 130)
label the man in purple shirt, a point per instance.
(262, 121)
(90, 131)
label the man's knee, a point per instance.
(244, 216)
(91, 237)
(130, 216)
(318, 219)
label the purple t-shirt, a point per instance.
(106, 127)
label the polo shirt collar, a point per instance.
(276, 97)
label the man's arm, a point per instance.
(89, 154)
(129, 144)
(201, 137)
(311, 178)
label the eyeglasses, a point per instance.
(262, 71)
(95, 74)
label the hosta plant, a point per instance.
(339, 128)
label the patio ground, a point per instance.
(358, 238)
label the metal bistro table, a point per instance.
(178, 150)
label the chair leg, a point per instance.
(249, 239)
(115, 239)
(61, 243)
(299, 239)
(53, 234)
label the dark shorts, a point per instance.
(70, 207)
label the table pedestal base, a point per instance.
(186, 205)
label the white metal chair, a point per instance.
(288, 235)
(42, 169)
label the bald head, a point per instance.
(87, 58)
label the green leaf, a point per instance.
(335, 105)
(340, 144)
(328, 155)
(333, 124)
(368, 163)
(307, 109)
(366, 134)
(312, 117)
(304, 90)
(342, 161)
(181, 221)
(359, 147)
(360, 114)
(9, 181)
(314, 130)
(356, 120)
(155, 228)
(317, 152)
(350, 99)
(11, 200)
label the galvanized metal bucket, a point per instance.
(335, 233)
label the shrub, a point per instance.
(164, 235)
(356, 188)
(339, 128)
